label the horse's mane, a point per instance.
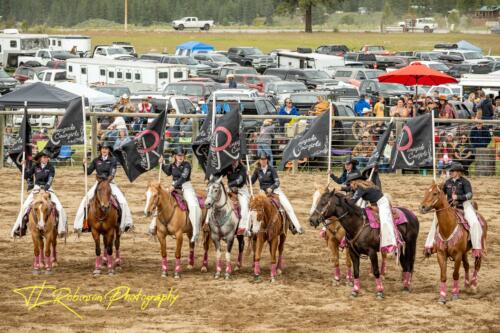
(352, 209)
(259, 200)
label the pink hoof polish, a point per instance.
(256, 268)
(357, 286)
(456, 288)
(442, 289)
(191, 258)
(229, 267)
(205, 259)
(98, 262)
(164, 264)
(380, 286)
(273, 270)
(110, 261)
(178, 267)
(336, 274)
(218, 265)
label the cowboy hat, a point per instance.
(105, 144)
(349, 159)
(456, 167)
(43, 152)
(180, 151)
(443, 98)
(263, 156)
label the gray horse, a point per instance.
(223, 222)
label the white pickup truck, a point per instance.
(43, 56)
(49, 76)
(192, 22)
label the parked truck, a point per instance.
(192, 22)
(43, 56)
(425, 24)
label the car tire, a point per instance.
(206, 27)
(247, 64)
(180, 27)
(426, 29)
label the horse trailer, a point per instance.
(13, 45)
(83, 44)
(136, 75)
(298, 60)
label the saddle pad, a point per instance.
(398, 216)
(275, 201)
(115, 203)
(461, 218)
(201, 201)
(180, 200)
(236, 208)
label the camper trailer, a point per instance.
(14, 45)
(327, 63)
(138, 76)
(67, 42)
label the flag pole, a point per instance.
(23, 166)
(85, 153)
(248, 176)
(433, 147)
(330, 118)
(214, 111)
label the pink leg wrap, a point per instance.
(205, 259)
(98, 262)
(218, 265)
(474, 279)
(442, 289)
(322, 233)
(406, 279)
(456, 288)
(177, 265)
(467, 280)
(357, 285)
(281, 262)
(240, 259)
(256, 268)
(191, 258)
(36, 262)
(388, 249)
(477, 253)
(343, 243)
(48, 263)
(336, 274)
(118, 260)
(110, 261)
(273, 270)
(349, 274)
(380, 286)
(54, 254)
(164, 264)
(383, 268)
(229, 267)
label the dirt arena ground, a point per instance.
(303, 299)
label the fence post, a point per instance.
(295, 163)
(195, 126)
(399, 129)
(93, 131)
(2, 133)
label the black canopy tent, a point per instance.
(39, 95)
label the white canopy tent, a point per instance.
(94, 97)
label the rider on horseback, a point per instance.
(349, 169)
(180, 171)
(269, 183)
(370, 192)
(459, 191)
(43, 173)
(237, 179)
(105, 168)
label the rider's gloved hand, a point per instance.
(30, 186)
(269, 190)
(234, 189)
(46, 187)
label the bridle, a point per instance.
(435, 202)
(219, 196)
(322, 219)
(156, 202)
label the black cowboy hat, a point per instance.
(263, 156)
(179, 151)
(354, 176)
(456, 167)
(43, 152)
(105, 144)
(349, 159)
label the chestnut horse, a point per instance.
(104, 219)
(362, 239)
(43, 224)
(270, 225)
(452, 240)
(171, 220)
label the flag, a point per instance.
(143, 152)
(201, 144)
(310, 143)
(413, 148)
(22, 144)
(225, 143)
(70, 129)
(379, 150)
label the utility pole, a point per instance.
(126, 15)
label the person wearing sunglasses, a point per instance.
(288, 109)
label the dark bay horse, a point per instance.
(43, 225)
(104, 219)
(452, 240)
(269, 226)
(171, 220)
(363, 240)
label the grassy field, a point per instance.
(145, 41)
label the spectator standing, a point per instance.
(231, 81)
(480, 136)
(288, 109)
(264, 140)
(361, 104)
(486, 106)
(363, 150)
(379, 107)
(399, 109)
(464, 153)
(445, 153)
(444, 108)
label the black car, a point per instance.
(312, 78)
(368, 60)
(7, 83)
(373, 89)
(338, 50)
(250, 57)
(457, 70)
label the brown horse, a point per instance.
(43, 224)
(269, 226)
(104, 219)
(171, 220)
(452, 240)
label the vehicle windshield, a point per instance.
(246, 70)
(455, 91)
(184, 89)
(392, 86)
(439, 67)
(115, 91)
(292, 87)
(220, 58)
(253, 51)
(3, 74)
(372, 74)
(472, 55)
(34, 43)
(116, 50)
(187, 61)
(434, 56)
(57, 54)
(316, 75)
(304, 99)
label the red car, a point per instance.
(375, 49)
(24, 73)
(255, 81)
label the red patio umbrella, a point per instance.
(417, 74)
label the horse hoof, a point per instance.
(97, 272)
(177, 275)
(354, 294)
(257, 279)
(336, 282)
(204, 269)
(380, 295)
(35, 271)
(237, 268)
(217, 275)
(442, 300)
(49, 272)
(279, 271)
(163, 274)
(455, 297)
(227, 276)
(118, 262)
(111, 272)
(406, 290)
(350, 283)
(55, 264)
(190, 267)
(273, 279)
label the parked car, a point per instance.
(24, 73)
(282, 89)
(338, 50)
(312, 78)
(425, 24)
(220, 74)
(373, 89)
(196, 91)
(457, 70)
(112, 52)
(428, 55)
(193, 23)
(213, 60)
(251, 57)
(368, 60)
(114, 90)
(375, 49)
(495, 29)
(7, 83)
(254, 81)
(350, 74)
(393, 62)
(195, 68)
(127, 47)
(461, 111)
(447, 90)
(49, 76)
(305, 100)
(467, 57)
(236, 93)
(43, 56)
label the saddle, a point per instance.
(372, 215)
(179, 199)
(275, 200)
(235, 204)
(114, 203)
(461, 219)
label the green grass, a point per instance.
(151, 41)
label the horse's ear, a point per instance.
(441, 185)
(219, 180)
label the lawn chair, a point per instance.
(65, 155)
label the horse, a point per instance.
(362, 239)
(171, 220)
(43, 224)
(223, 222)
(103, 217)
(452, 240)
(270, 225)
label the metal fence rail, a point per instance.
(471, 142)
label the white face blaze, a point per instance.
(148, 200)
(41, 223)
(315, 200)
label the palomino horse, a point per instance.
(223, 222)
(42, 224)
(362, 239)
(452, 240)
(171, 220)
(270, 225)
(103, 218)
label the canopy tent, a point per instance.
(38, 95)
(193, 47)
(93, 96)
(465, 45)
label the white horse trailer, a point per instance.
(14, 45)
(138, 76)
(327, 63)
(67, 42)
